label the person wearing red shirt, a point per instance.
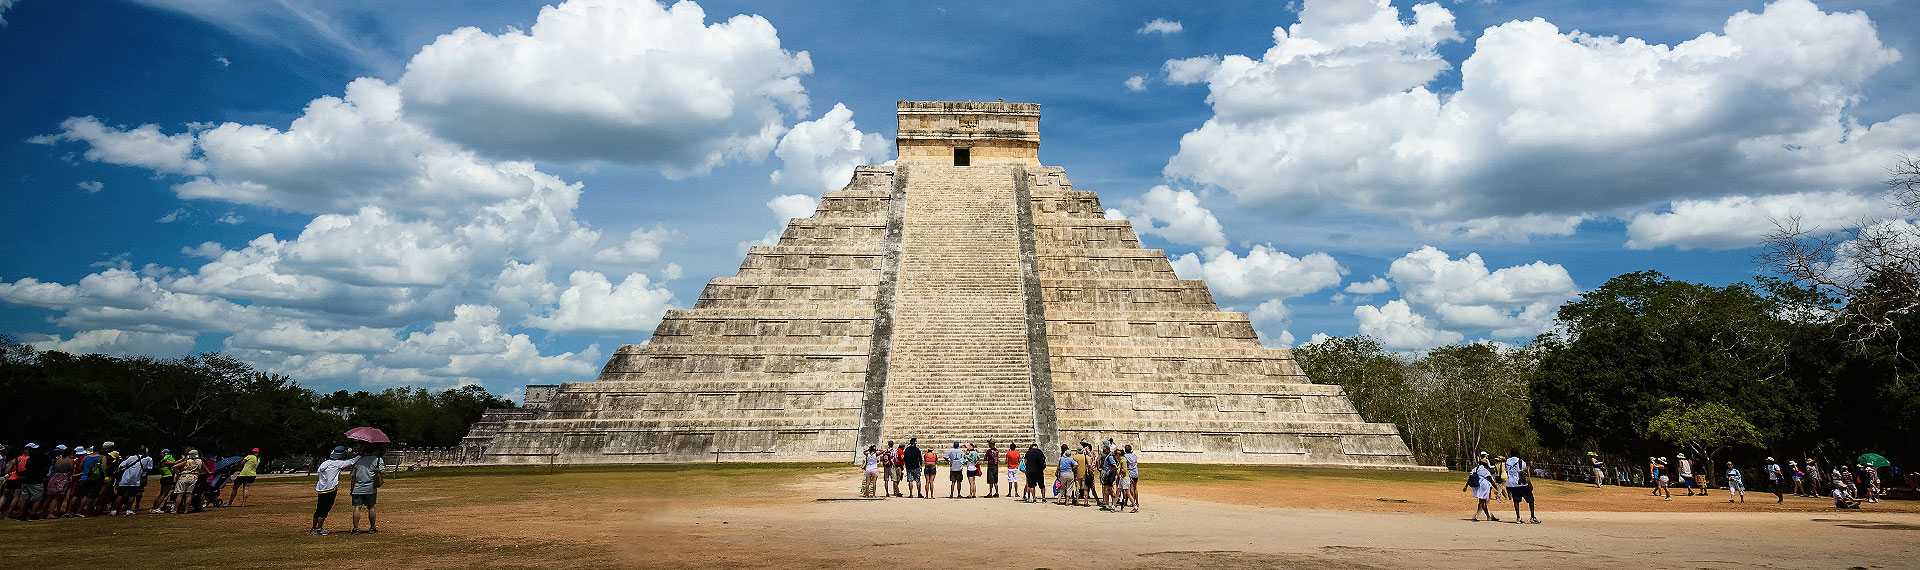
(1013, 471)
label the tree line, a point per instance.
(1807, 360)
(56, 397)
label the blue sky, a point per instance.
(362, 195)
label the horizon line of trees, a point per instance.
(210, 399)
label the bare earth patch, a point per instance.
(1214, 517)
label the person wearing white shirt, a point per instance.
(329, 487)
(1520, 486)
(1480, 483)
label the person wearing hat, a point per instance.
(187, 476)
(869, 470)
(1776, 481)
(1685, 472)
(327, 489)
(1599, 470)
(956, 470)
(910, 464)
(164, 498)
(33, 481)
(1799, 478)
(1660, 488)
(243, 481)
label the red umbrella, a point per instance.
(367, 434)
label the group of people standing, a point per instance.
(1107, 476)
(80, 481)
(1802, 479)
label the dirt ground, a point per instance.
(1215, 517)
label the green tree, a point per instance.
(1641, 338)
(1705, 429)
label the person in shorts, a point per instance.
(930, 467)
(1064, 478)
(132, 482)
(1133, 478)
(186, 478)
(86, 495)
(1520, 486)
(992, 469)
(1013, 471)
(956, 470)
(889, 470)
(243, 481)
(366, 486)
(910, 459)
(165, 465)
(33, 482)
(1036, 463)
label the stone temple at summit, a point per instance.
(965, 293)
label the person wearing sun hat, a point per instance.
(1599, 470)
(243, 481)
(328, 487)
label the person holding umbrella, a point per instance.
(366, 485)
(327, 489)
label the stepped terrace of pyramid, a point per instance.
(965, 293)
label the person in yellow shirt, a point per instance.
(243, 481)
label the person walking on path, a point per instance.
(1133, 478)
(1873, 482)
(1599, 470)
(1480, 483)
(910, 459)
(327, 489)
(1014, 467)
(1813, 478)
(992, 469)
(366, 486)
(165, 465)
(243, 482)
(1736, 484)
(33, 482)
(1520, 487)
(1776, 481)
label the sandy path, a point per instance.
(783, 526)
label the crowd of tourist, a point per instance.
(1504, 478)
(80, 481)
(1105, 476)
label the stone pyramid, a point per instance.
(965, 293)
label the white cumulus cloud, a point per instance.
(119, 343)
(1465, 296)
(1398, 327)
(1548, 127)
(1262, 271)
(1743, 221)
(819, 155)
(1175, 215)
(622, 81)
(593, 304)
(1160, 26)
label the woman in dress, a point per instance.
(871, 477)
(1481, 485)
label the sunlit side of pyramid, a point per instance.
(966, 293)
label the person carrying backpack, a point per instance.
(1520, 486)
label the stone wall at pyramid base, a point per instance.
(639, 441)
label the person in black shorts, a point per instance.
(1036, 470)
(993, 470)
(1519, 486)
